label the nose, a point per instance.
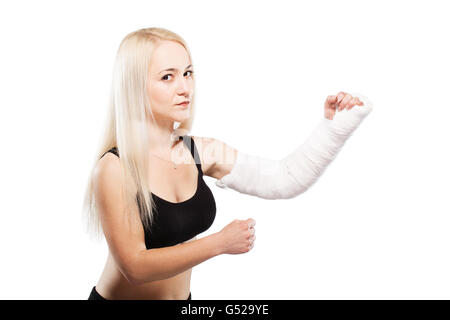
(183, 86)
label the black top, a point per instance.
(177, 222)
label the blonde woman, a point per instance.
(146, 194)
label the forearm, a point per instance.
(163, 263)
(308, 162)
(294, 174)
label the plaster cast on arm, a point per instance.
(294, 174)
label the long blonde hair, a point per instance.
(126, 126)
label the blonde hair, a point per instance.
(127, 125)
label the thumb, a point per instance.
(251, 222)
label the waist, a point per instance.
(114, 286)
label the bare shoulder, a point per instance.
(203, 144)
(217, 157)
(107, 183)
(109, 178)
(107, 170)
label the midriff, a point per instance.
(114, 286)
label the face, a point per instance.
(167, 88)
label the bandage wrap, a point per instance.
(294, 174)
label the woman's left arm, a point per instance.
(217, 157)
(294, 174)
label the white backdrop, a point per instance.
(375, 226)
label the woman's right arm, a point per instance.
(126, 239)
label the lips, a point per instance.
(185, 103)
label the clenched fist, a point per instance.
(238, 236)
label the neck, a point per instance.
(160, 137)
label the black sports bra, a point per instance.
(177, 222)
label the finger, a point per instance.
(341, 96)
(345, 102)
(360, 103)
(251, 223)
(352, 103)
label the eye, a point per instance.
(169, 74)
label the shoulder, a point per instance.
(108, 163)
(203, 144)
(217, 156)
(107, 173)
(109, 182)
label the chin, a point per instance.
(181, 115)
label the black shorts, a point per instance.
(96, 296)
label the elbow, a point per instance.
(133, 277)
(132, 272)
(138, 273)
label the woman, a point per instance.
(146, 192)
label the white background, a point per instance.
(376, 224)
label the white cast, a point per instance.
(294, 174)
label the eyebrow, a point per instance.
(173, 69)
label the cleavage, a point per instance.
(173, 185)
